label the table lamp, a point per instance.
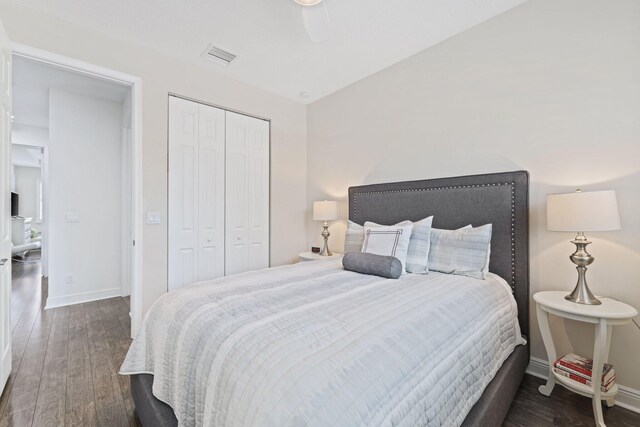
(579, 212)
(326, 210)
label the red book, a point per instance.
(606, 376)
(582, 365)
(604, 387)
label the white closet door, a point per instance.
(183, 192)
(196, 192)
(211, 173)
(247, 193)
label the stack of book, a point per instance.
(578, 368)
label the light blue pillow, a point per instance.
(464, 251)
(354, 237)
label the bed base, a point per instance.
(488, 411)
(493, 405)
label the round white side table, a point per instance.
(610, 313)
(310, 256)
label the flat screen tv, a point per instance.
(15, 202)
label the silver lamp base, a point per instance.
(581, 258)
(325, 233)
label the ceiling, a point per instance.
(269, 38)
(33, 79)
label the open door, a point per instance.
(5, 208)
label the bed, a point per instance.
(409, 351)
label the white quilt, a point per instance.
(314, 345)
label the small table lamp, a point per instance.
(326, 210)
(580, 212)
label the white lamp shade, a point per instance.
(326, 210)
(583, 211)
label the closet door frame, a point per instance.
(198, 101)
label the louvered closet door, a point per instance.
(247, 193)
(196, 192)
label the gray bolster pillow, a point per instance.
(377, 265)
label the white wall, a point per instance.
(84, 180)
(161, 75)
(26, 180)
(551, 87)
(29, 135)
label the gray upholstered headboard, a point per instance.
(501, 199)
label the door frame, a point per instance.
(135, 83)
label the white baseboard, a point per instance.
(538, 368)
(627, 397)
(53, 302)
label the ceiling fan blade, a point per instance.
(316, 21)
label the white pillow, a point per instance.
(464, 251)
(354, 237)
(391, 240)
(418, 252)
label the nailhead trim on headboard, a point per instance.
(513, 213)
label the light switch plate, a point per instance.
(153, 217)
(72, 217)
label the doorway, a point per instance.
(27, 203)
(85, 120)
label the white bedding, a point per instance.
(314, 345)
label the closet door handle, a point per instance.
(3, 261)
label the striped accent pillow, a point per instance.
(464, 252)
(354, 237)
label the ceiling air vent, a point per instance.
(218, 55)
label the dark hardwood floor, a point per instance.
(65, 364)
(562, 408)
(65, 360)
